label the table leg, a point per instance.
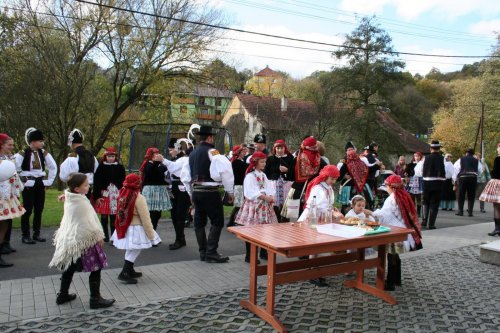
(253, 274)
(360, 273)
(268, 313)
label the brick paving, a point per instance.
(450, 291)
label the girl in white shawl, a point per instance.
(78, 243)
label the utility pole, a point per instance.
(482, 129)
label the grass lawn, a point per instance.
(53, 211)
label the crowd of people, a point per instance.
(259, 184)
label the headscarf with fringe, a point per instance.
(126, 204)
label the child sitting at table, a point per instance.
(358, 204)
(259, 198)
(320, 188)
(399, 210)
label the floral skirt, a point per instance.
(11, 208)
(108, 204)
(253, 213)
(282, 187)
(135, 239)
(94, 259)
(491, 192)
(416, 185)
(239, 198)
(157, 197)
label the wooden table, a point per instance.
(295, 240)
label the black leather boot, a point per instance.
(497, 229)
(133, 273)
(389, 282)
(126, 273)
(397, 271)
(63, 296)
(3, 264)
(96, 301)
(425, 215)
(201, 238)
(7, 247)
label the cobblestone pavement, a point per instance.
(447, 292)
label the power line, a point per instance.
(277, 36)
(225, 38)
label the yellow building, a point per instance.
(266, 83)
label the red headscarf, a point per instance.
(126, 203)
(280, 143)
(148, 157)
(3, 138)
(406, 206)
(254, 159)
(109, 151)
(235, 152)
(308, 160)
(327, 171)
(357, 169)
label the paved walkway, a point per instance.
(445, 288)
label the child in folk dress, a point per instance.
(79, 242)
(320, 188)
(358, 204)
(259, 198)
(108, 180)
(133, 228)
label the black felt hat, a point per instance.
(435, 144)
(259, 138)
(349, 145)
(33, 134)
(172, 142)
(205, 130)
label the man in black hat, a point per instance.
(433, 172)
(466, 170)
(80, 160)
(206, 172)
(260, 143)
(373, 164)
(31, 164)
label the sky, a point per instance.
(444, 27)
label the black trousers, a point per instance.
(466, 185)
(208, 205)
(430, 200)
(33, 202)
(180, 209)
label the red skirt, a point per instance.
(108, 203)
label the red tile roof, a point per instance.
(268, 72)
(268, 110)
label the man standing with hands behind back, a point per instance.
(206, 172)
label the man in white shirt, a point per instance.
(31, 164)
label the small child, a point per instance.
(133, 228)
(358, 204)
(78, 243)
(259, 198)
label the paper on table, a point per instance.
(339, 230)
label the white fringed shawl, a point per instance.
(80, 229)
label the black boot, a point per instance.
(126, 273)
(180, 239)
(263, 254)
(425, 215)
(3, 264)
(497, 229)
(4, 249)
(432, 218)
(247, 254)
(419, 210)
(104, 224)
(133, 273)
(201, 238)
(397, 271)
(63, 296)
(96, 301)
(389, 282)
(7, 247)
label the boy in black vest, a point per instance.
(31, 164)
(466, 170)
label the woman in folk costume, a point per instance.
(259, 199)
(154, 185)
(308, 164)
(448, 196)
(108, 180)
(239, 170)
(399, 210)
(491, 192)
(279, 170)
(415, 183)
(11, 188)
(133, 228)
(353, 175)
(79, 242)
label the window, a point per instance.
(184, 109)
(204, 111)
(218, 101)
(201, 100)
(218, 112)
